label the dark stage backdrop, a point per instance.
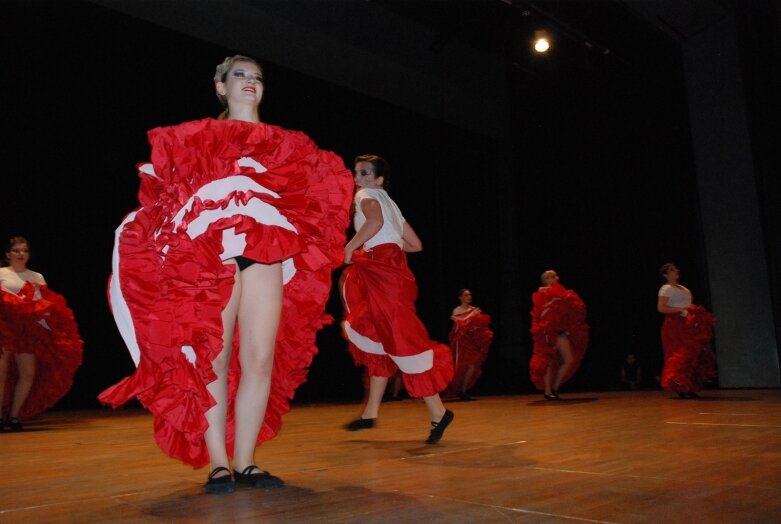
(603, 184)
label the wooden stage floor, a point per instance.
(623, 457)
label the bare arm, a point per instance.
(412, 243)
(373, 212)
(662, 307)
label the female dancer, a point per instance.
(39, 335)
(686, 335)
(560, 334)
(220, 278)
(470, 338)
(379, 293)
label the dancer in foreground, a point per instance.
(379, 292)
(687, 330)
(220, 278)
(470, 339)
(560, 334)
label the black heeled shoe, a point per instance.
(258, 479)
(219, 485)
(438, 428)
(359, 424)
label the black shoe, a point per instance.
(438, 428)
(553, 396)
(258, 479)
(359, 424)
(13, 424)
(219, 485)
(464, 396)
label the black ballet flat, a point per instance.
(554, 396)
(258, 479)
(438, 428)
(219, 485)
(13, 424)
(359, 424)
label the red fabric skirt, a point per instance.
(214, 190)
(57, 346)
(470, 339)
(381, 325)
(689, 361)
(556, 310)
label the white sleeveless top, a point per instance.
(677, 296)
(393, 221)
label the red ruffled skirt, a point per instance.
(47, 329)
(214, 190)
(382, 328)
(556, 310)
(470, 339)
(689, 361)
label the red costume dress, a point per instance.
(39, 323)
(556, 310)
(215, 190)
(470, 339)
(380, 324)
(689, 361)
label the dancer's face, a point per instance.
(365, 176)
(19, 254)
(243, 84)
(549, 278)
(672, 275)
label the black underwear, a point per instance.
(244, 262)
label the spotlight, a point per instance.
(541, 45)
(541, 41)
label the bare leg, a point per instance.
(565, 350)
(259, 314)
(216, 416)
(5, 358)
(436, 408)
(546, 380)
(377, 387)
(398, 384)
(25, 365)
(467, 377)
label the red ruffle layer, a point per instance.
(689, 361)
(470, 339)
(556, 309)
(379, 292)
(58, 349)
(176, 286)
